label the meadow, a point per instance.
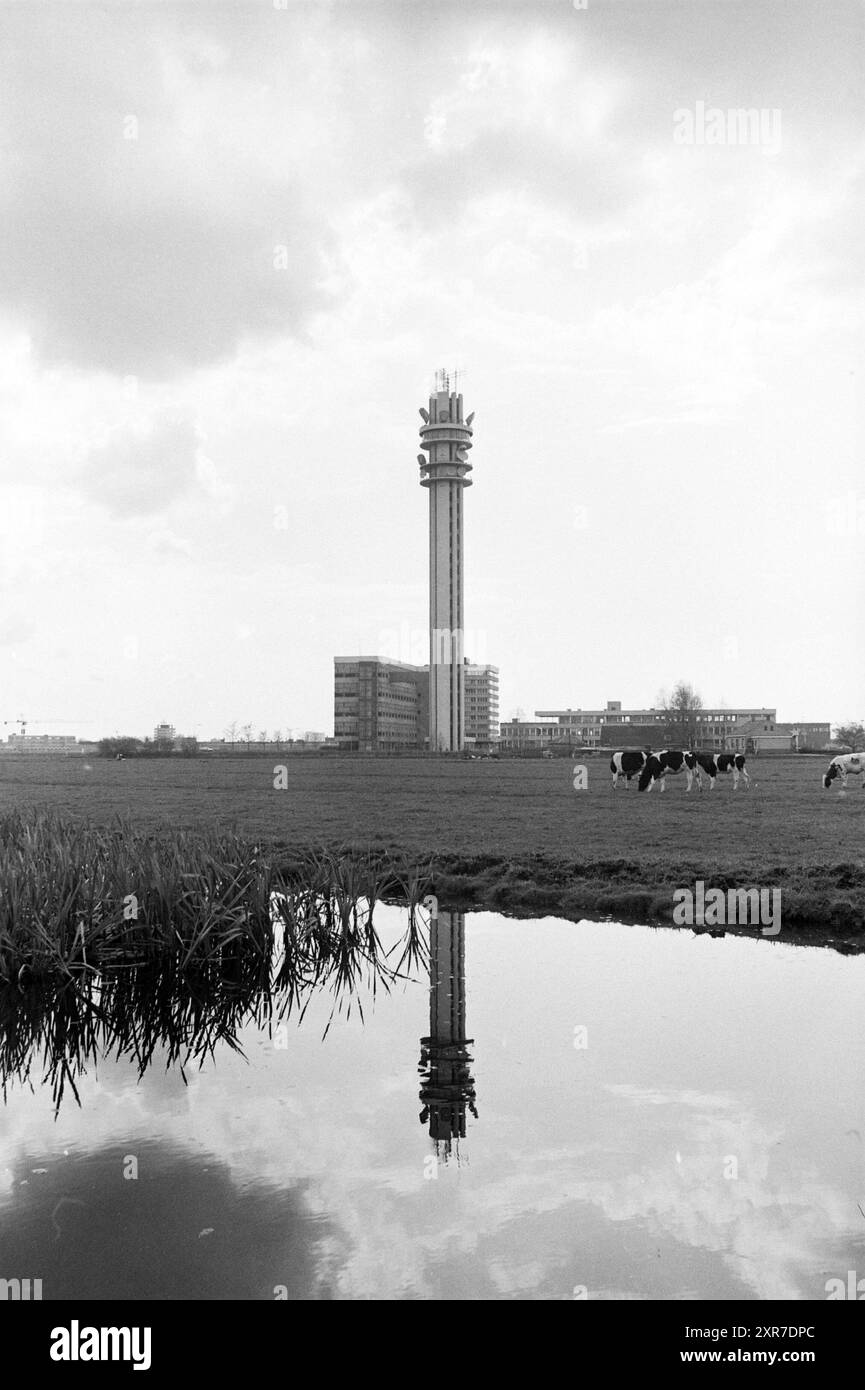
(510, 834)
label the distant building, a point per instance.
(379, 706)
(164, 733)
(614, 726)
(481, 706)
(43, 743)
(756, 736)
(382, 706)
(535, 736)
(809, 737)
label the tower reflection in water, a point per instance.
(447, 1086)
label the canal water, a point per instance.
(554, 1110)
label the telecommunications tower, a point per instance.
(444, 468)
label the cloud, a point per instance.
(166, 542)
(135, 237)
(143, 469)
(14, 629)
(490, 186)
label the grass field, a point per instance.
(512, 834)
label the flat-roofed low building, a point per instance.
(613, 726)
(763, 736)
(42, 743)
(809, 736)
(758, 736)
(535, 736)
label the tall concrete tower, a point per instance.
(446, 437)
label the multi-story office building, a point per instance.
(382, 706)
(379, 706)
(481, 706)
(164, 733)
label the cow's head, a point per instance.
(650, 770)
(830, 774)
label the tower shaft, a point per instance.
(446, 437)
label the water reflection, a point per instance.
(447, 1087)
(183, 1013)
(707, 1142)
(181, 1228)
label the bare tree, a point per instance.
(246, 731)
(850, 736)
(231, 733)
(681, 709)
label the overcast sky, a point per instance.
(237, 241)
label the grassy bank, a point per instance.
(820, 906)
(511, 835)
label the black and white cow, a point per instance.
(843, 766)
(710, 764)
(669, 762)
(627, 764)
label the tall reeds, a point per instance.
(83, 897)
(113, 940)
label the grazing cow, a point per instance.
(711, 764)
(669, 762)
(843, 766)
(627, 764)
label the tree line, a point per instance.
(127, 747)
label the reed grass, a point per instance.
(224, 935)
(77, 897)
